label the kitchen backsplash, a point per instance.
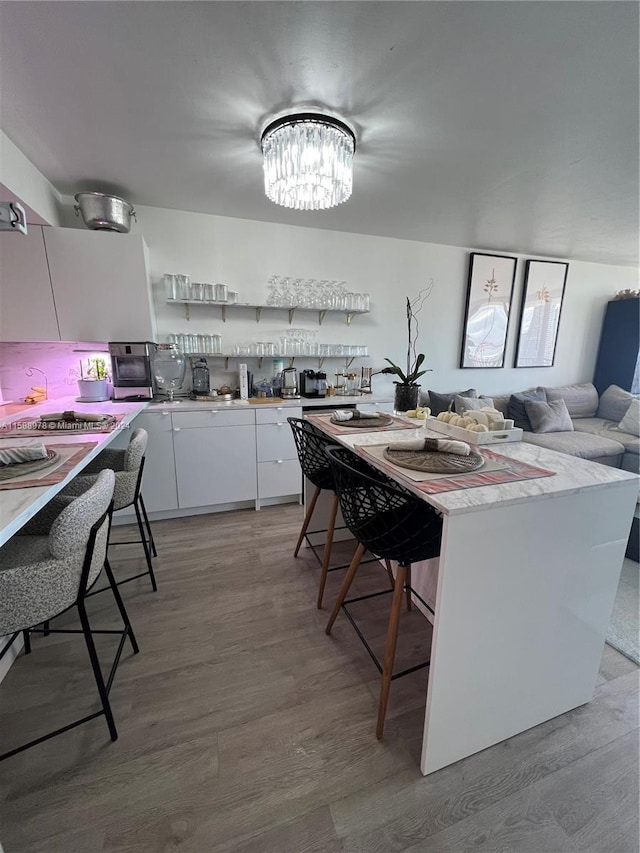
(59, 361)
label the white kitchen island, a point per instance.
(527, 577)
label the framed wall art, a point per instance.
(544, 284)
(486, 319)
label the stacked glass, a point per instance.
(321, 294)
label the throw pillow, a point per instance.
(631, 421)
(464, 404)
(548, 417)
(581, 399)
(614, 403)
(442, 402)
(517, 411)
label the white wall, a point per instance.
(21, 177)
(244, 253)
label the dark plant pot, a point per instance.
(406, 397)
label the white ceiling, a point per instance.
(510, 126)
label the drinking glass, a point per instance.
(172, 286)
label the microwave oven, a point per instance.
(131, 369)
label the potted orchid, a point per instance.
(407, 393)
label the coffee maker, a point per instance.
(289, 383)
(313, 383)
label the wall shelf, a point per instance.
(290, 309)
(348, 359)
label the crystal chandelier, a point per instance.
(308, 161)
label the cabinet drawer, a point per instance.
(155, 421)
(212, 417)
(277, 414)
(276, 479)
(275, 441)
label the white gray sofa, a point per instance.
(595, 435)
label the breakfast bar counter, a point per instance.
(17, 506)
(527, 576)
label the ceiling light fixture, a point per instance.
(308, 160)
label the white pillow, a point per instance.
(631, 421)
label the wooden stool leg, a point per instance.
(390, 648)
(326, 557)
(307, 519)
(390, 573)
(346, 583)
(408, 587)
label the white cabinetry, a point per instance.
(279, 472)
(159, 489)
(72, 285)
(100, 285)
(159, 476)
(215, 457)
(27, 310)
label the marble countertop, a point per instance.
(335, 402)
(17, 506)
(571, 474)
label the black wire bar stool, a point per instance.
(391, 522)
(310, 444)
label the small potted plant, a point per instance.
(407, 393)
(93, 384)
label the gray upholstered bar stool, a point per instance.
(48, 567)
(128, 466)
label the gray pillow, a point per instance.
(517, 411)
(581, 399)
(614, 403)
(631, 421)
(500, 402)
(548, 417)
(464, 404)
(442, 402)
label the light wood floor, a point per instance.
(244, 728)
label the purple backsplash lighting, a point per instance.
(56, 358)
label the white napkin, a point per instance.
(11, 455)
(359, 414)
(342, 414)
(74, 416)
(441, 445)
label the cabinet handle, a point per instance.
(213, 411)
(176, 429)
(166, 413)
(279, 408)
(279, 461)
(280, 423)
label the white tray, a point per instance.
(496, 437)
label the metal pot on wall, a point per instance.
(102, 212)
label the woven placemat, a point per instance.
(378, 421)
(435, 462)
(27, 428)
(19, 469)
